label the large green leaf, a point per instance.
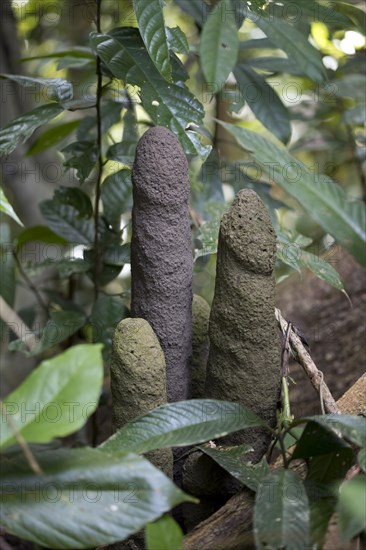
(293, 42)
(317, 440)
(40, 233)
(150, 17)
(20, 129)
(171, 105)
(219, 44)
(164, 534)
(69, 215)
(350, 427)
(124, 151)
(264, 102)
(290, 252)
(182, 423)
(60, 327)
(52, 136)
(323, 199)
(56, 398)
(232, 460)
(7, 208)
(57, 89)
(281, 512)
(352, 507)
(81, 155)
(84, 498)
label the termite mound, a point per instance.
(244, 358)
(161, 252)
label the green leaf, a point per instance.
(116, 196)
(275, 65)
(20, 129)
(69, 215)
(79, 53)
(177, 40)
(55, 399)
(350, 427)
(40, 233)
(290, 252)
(110, 115)
(325, 473)
(150, 17)
(164, 534)
(281, 512)
(124, 151)
(317, 440)
(52, 136)
(106, 313)
(77, 198)
(264, 102)
(84, 498)
(81, 155)
(323, 199)
(322, 269)
(232, 460)
(7, 208)
(182, 423)
(352, 507)
(294, 43)
(170, 105)
(65, 266)
(60, 327)
(219, 44)
(57, 89)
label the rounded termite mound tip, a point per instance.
(247, 230)
(160, 170)
(134, 330)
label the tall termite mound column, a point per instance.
(244, 358)
(161, 253)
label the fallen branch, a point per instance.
(302, 356)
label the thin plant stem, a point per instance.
(97, 254)
(21, 442)
(30, 283)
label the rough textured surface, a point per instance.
(244, 358)
(138, 379)
(200, 345)
(161, 255)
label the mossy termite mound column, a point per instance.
(244, 357)
(138, 379)
(161, 253)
